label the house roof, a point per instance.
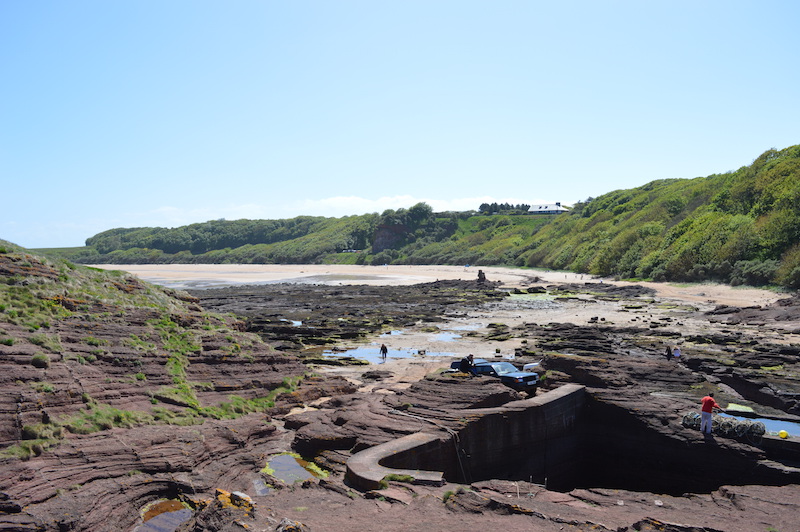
(547, 207)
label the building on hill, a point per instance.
(547, 208)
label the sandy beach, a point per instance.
(409, 370)
(194, 276)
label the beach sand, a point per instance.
(190, 276)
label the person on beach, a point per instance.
(384, 351)
(466, 365)
(676, 353)
(708, 404)
(669, 353)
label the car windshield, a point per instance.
(504, 368)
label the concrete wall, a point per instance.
(534, 439)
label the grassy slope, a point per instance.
(62, 324)
(687, 229)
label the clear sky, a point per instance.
(134, 113)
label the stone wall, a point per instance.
(534, 439)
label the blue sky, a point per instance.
(139, 113)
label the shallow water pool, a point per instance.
(372, 354)
(164, 516)
(290, 469)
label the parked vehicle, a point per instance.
(522, 381)
(457, 363)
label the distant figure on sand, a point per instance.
(669, 354)
(384, 350)
(481, 276)
(676, 353)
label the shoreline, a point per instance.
(199, 276)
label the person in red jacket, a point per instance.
(708, 405)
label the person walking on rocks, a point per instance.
(384, 351)
(676, 353)
(708, 404)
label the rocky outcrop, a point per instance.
(117, 393)
(307, 315)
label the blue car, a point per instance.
(521, 381)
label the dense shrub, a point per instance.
(40, 360)
(753, 272)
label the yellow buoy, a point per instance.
(783, 434)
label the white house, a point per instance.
(547, 208)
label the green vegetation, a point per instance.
(742, 227)
(50, 342)
(96, 417)
(36, 291)
(40, 360)
(91, 340)
(408, 479)
(140, 344)
(43, 387)
(237, 406)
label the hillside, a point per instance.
(85, 350)
(106, 382)
(741, 227)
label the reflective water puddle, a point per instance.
(260, 487)
(291, 469)
(445, 337)
(469, 327)
(372, 354)
(164, 516)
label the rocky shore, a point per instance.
(639, 467)
(635, 439)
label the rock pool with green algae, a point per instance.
(290, 468)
